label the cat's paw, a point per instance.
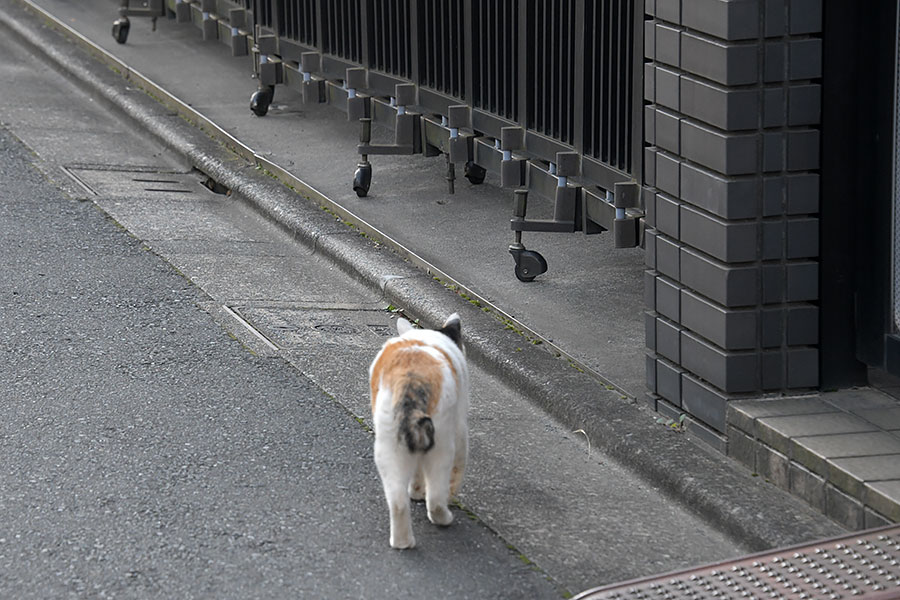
(440, 515)
(403, 543)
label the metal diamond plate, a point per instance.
(864, 565)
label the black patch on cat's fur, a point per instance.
(453, 330)
(416, 428)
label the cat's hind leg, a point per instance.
(438, 464)
(417, 485)
(395, 466)
(459, 462)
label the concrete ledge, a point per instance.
(824, 450)
(757, 513)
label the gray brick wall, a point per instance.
(733, 104)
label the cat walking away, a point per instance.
(420, 396)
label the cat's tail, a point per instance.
(416, 429)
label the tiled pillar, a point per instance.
(731, 187)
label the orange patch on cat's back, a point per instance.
(402, 358)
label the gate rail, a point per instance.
(545, 93)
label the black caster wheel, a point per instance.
(529, 264)
(475, 173)
(120, 29)
(261, 99)
(362, 179)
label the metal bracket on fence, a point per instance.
(617, 210)
(236, 31)
(208, 23)
(357, 105)
(407, 125)
(182, 11)
(460, 147)
(269, 66)
(625, 227)
(553, 183)
(512, 169)
(312, 87)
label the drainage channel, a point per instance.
(863, 565)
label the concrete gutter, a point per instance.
(756, 513)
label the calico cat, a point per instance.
(420, 397)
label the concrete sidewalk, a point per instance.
(756, 513)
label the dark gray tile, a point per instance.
(742, 448)
(729, 328)
(668, 381)
(885, 418)
(668, 88)
(704, 402)
(667, 215)
(775, 431)
(667, 134)
(866, 468)
(650, 39)
(729, 241)
(727, 19)
(803, 194)
(802, 368)
(774, 107)
(802, 281)
(813, 451)
(667, 340)
(773, 327)
(670, 10)
(805, 59)
(727, 197)
(725, 108)
(650, 372)
(700, 431)
(802, 325)
(728, 285)
(844, 508)
(727, 153)
(873, 519)
(845, 476)
(668, 173)
(743, 413)
(884, 497)
(804, 104)
(806, 16)
(727, 63)
(859, 399)
(667, 46)
(667, 256)
(668, 299)
(808, 486)
(776, 18)
(773, 366)
(732, 372)
(774, 466)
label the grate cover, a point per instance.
(864, 565)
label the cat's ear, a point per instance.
(403, 326)
(452, 329)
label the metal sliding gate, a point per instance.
(547, 94)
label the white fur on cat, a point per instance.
(420, 377)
